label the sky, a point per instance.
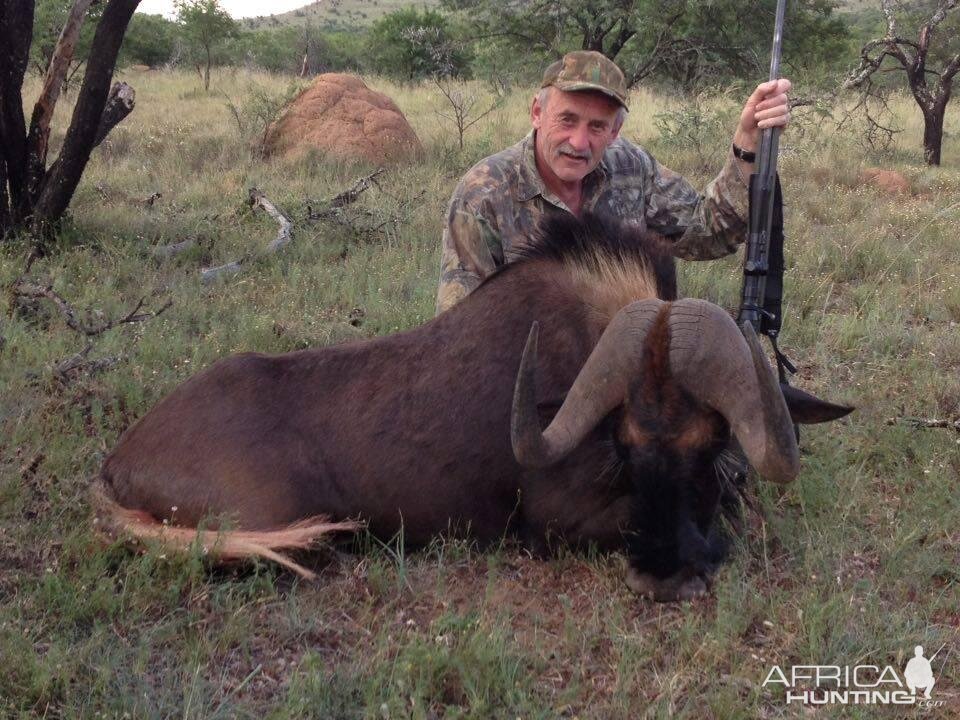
(237, 8)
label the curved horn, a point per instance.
(600, 386)
(724, 367)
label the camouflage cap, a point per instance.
(587, 70)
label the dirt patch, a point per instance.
(889, 182)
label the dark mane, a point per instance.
(563, 238)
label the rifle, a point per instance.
(760, 300)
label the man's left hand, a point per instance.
(767, 107)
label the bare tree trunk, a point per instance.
(6, 221)
(206, 73)
(53, 81)
(62, 180)
(16, 31)
(933, 133)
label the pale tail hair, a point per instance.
(114, 520)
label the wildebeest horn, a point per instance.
(599, 388)
(724, 367)
(710, 357)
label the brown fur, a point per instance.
(409, 431)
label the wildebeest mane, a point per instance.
(595, 244)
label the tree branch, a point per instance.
(655, 56)
(70, 315)
(120, 103)
(950, 70)
(888, 10)
(53, 80)
(920, 423)
(285, 233)
(283, 238)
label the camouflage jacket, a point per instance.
(498, 202)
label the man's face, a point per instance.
(573, 130)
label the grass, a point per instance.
(856, 561)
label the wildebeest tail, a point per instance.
(224, 545)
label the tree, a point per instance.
(149, 40)
(684, 40)
(205, 25)
(31, 193)
(937, 44)
(410, 44)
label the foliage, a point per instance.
(684, 41)
(260, 107)
(278, 50)
(701, 125)
(204, 26)
(150, 40)
(411, 44)
(284, 49)
(49, 18)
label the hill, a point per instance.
(333, 14)
(355, 14)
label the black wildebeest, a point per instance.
(441, 426)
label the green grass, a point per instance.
(857, 560)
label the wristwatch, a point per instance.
(745, 155)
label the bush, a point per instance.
(412, 44)
(701, 127)
(149, 41)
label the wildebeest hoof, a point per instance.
(682, 585)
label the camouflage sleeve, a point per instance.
(472, 249)
(708, 226)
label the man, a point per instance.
(574, 161)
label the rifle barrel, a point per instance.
(762, 184)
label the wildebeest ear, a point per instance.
(805, 409)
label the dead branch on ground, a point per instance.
(79, 363)
(340, 209)
(283, 238)
(87, 328)
(72, 318)
(333, 209)
(329, 209)
(165, 252)
(925, 423)
(110, 194)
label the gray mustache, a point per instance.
(568, 150)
